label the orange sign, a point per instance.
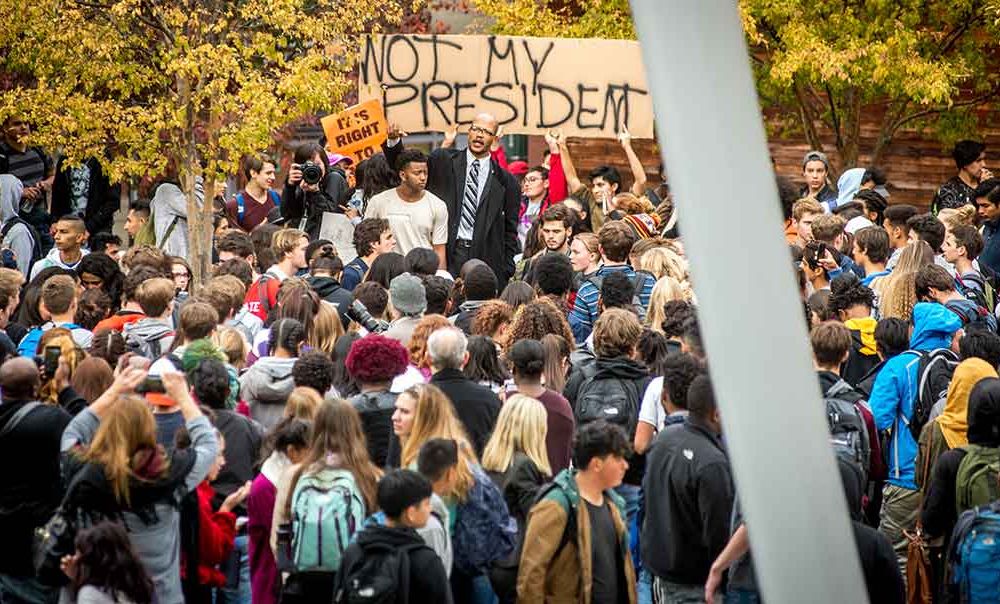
(357, 131)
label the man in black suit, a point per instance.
(483, 199)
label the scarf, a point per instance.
(953, 421)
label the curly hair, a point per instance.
(368, 234)
(418, 341)
(846, 291)
(490, 317)
(679, 370)
(94, 307)
(375, 359)
(315, 370)
(533, 321)
(675, 316)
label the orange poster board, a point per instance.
(357, 131)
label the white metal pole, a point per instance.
(753, 324)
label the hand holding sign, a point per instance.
(496, 139)
(396, 133)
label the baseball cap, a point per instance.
(816, 156)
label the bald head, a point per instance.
(447, 348)
(19, 379)
(482, 133)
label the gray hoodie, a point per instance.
(18, 238)
(54, 258)
(168, 203)
(265, 388)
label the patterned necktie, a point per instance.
(471, 200)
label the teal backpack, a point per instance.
(327, 509)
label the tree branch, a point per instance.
(941, 109)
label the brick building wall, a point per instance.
(915, 164)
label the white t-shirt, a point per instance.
(651, 411)
(415, 224)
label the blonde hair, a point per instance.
(661, 262)
(302, 403)
(953, 217)
(631, 204)
(434, 417)
(898, 291)
(285, 241)
(232, 343)
(520, 428)
(666, 290)
(127, 427)
(326, 328)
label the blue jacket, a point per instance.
(990, 256)
(895, 388)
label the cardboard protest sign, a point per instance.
(584, 87)
(338, 229)
(357, 131)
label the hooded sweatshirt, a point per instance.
(54, 258)
(266, 386)
(427, 582)
(863, 355)
(169, 205)
(19, 238)
(895, 388)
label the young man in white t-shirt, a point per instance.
(665, 400)
(418, 217)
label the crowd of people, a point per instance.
(502, 397)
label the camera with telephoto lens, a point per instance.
(312, 172)
(360, 315)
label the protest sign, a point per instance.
(584, 87)
(338, 229)
(357, 131)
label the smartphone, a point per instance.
(821, 252)
(50, 361)
(152, 383)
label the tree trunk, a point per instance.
(198, 248)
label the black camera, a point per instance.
(360, 315)
(312, 172)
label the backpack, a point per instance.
(146, 235)
(326, 511)
(36, 248)
(380, 576)
(976, 288)
(848, 433)
(503, 573)
(637, 281)
(484, 530)
(241, 206)
(978, 318)
(976, 480)
(150, 349)
(934, 373)
(611, 399)
(974, 555)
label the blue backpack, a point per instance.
(241, 204)
(974, 555)
(327, 509)
(484, 530)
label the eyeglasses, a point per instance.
(181, 276)
(533, 179)
(481, 130)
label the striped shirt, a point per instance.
(585, 311)
(29, 167)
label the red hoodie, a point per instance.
(216, 532)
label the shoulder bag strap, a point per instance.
(18, 417)
(240, 207)
(170, 231)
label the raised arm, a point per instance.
(566, 161)
(557, 176)
(638, 172)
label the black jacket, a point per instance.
(376, 409)
(474, 404)
(296, 203)
(428, 581)
(32, 487)
(688, 491)
(244, 439)
(102, 197)
(494, 239)
(332, 291)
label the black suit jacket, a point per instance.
(475, 405)
(494, 238)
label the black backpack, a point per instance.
(848, 433)
(609, 398)
(933, 378)
(380, 576)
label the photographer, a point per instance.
(311, 189)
